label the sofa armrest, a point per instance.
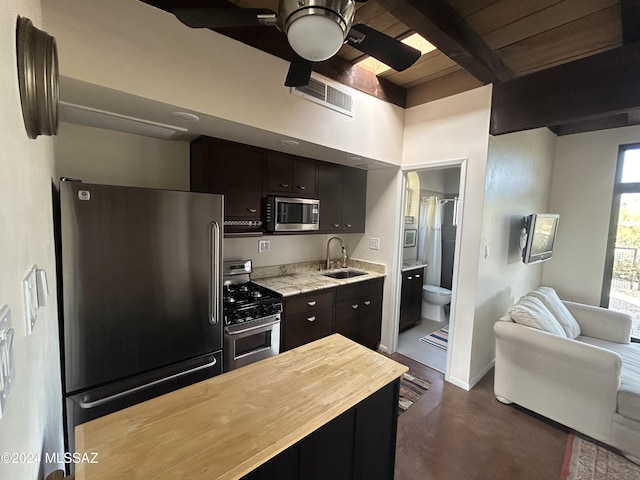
(601, 323)
(570, 382)
(585, 357)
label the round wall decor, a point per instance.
(37, 78)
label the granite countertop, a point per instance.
(294, 279)
(413, 264)
(225, 427)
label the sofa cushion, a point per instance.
(550, 298)
(629, 391)
(531, 312)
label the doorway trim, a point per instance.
(396, 292)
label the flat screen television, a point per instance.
(540, 230)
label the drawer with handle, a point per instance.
(303, 328)
(309, 302)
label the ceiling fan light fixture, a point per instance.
(316, 29)
(316, 37)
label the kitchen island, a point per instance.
(329, 404)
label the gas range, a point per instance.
(251, 317)
(247, 301)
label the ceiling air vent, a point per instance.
(324, 93)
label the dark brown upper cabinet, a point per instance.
(232, 169)
(343, 198)
(291, 176)
(245, 175)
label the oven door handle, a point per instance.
(228, 331)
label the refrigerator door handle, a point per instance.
(102, 401)
(215, 274)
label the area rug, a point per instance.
(411, 389)
(439, 339)
(584, 460)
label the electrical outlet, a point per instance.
(374, 244)
(264, 246)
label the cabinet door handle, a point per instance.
(302, 187)
(348, 225)
(367, 303)
(284, 185)
(312, 303)
(355, 306)
(252, 210)
(335, 225)
(409, 278)
(312, 319)
(418, 275)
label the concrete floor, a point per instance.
(451, 434)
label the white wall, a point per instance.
(581, 192)
(435, 180)
(95, 155)
(382, 216)
(457, 128)
(135, 48)
(518, 182)
(32, 420)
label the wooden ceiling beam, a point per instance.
(272, 41)
(630, 15)
(604, 84)
(440, 24)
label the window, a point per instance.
(621, 283)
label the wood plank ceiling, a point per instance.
(478, 42)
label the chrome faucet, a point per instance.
(344, 252)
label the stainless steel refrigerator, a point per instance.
(141, 294)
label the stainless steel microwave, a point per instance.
(286, 214)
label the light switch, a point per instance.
(30, 293)
(42, 286)
(374, 244)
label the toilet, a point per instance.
(433, 301)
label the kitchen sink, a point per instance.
(344, 274)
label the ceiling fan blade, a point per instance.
(299, 72)
(382, 47)
(203, 17)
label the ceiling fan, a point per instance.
(315, 29)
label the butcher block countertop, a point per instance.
(226, 426)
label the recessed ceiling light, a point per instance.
(289, 143)
(187, 117)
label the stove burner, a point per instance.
(248, 301)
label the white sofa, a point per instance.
(584, 374)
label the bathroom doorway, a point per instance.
(432, 214)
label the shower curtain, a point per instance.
(430, 238)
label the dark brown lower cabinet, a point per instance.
(360, 444)
(307, 317)
(411, 297)
(354, 311)
(358, 313)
